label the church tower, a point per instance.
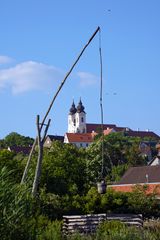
(72, 119)
(80, 118)
(77, 119)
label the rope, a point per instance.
(101, 104)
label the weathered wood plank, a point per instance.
(89, 223)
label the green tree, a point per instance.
(139, 201)
(13, 162)
(118, 150)
(15, 139)
(117, 172)
(133, 154)
(64, 169)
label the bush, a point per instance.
(51, 232)
(115, 230)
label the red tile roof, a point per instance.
(108, 131)
(127, 131)
(95, 127)
(122, 129)
(141, 134)
(152, 187)
(79, 137)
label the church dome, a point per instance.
(80, 107)
(73, 109)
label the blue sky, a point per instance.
(40, 40)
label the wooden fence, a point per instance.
(88, 223)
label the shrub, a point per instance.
(51, 232)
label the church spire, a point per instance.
(73, 109)
(80, 107)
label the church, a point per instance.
(77, 127)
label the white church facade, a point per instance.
(77, 119)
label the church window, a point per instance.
(82, 120)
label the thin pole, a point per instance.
(101, 104)
(53, 100)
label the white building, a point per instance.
(77, 119)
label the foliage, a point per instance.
(17, 214)
(93, 201)
(153, 226)
(50, 205)
(118, 150)
(67, 186)
(64, 169)
(117, 231)
(117, 172)
(51, 232)
(13, 162)
(108, 230)
(6, 157)
(2, 144)
(141, 202)
(15, 139)
(111, 201)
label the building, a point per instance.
(148, 149)
(156, 160)
(143, 175)
(50, 138)
(79, 139)
(20, 149)
(77, 119)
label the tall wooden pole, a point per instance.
(53, 100)
(40, 141)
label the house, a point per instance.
(147, 149)
(156, 160)
(79, 139)
(50, 138)
(142, 134)
(143, 175)
(20, 149)
(94, 127)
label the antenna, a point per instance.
(147, 178)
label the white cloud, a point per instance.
(5, 59)
(28, 76)
(87, 79)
